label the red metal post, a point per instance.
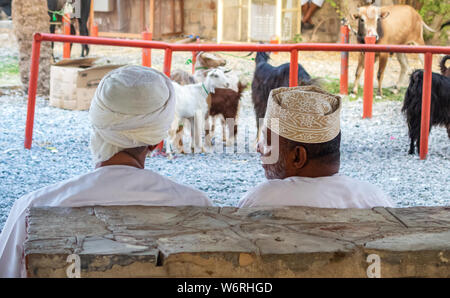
(32, 87)
(194, 56)
(344, 61)
(167, 61)
(94, 30)
(147, 53)
(66, 46)
(293, 70)
(369, 61)
(426, 103)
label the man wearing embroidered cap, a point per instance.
(131, 113)
(301, 155)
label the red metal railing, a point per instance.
(292, 48)
(345, 38)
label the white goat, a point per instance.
(191, 104)
(207, 61)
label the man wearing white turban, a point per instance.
(301, 155)
(131, 113)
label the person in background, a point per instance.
(131, 113)
(5, 5)
(309, 8)
(301, 155)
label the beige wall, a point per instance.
(200, 18)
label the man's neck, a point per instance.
(123, 158)
(317, 171)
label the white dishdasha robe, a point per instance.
(336, 191)
(110, 185)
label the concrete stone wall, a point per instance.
(200, 18)
(138, 241)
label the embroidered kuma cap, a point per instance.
(305, 114)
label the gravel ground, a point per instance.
(374, 150)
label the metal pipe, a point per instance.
(167, 61)
(369, 61)
(246, 47)
(293, 69)
(147, 53)
(344, 61)
(32, 87)
(194, 56)
(426, 103)
(66, 28)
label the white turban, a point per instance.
(133, 106)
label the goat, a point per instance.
(82, 10)
(268, 77)
(395, 24)
(205, 61)
(439, 110)
(224, 104)
(445, 71)
(182, 77)
(191, 104)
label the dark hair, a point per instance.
(328, 152)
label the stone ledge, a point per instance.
(136, 241)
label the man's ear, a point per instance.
(300, 157)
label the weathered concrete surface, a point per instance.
(141, 241)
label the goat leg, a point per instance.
(198, 147)
(209, 131)
(232, 130)
(381, 67)
(404, 67)
(224, 128)
(411, 147)
(359, 70)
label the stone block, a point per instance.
(137, 241)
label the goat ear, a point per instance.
(354, 16)
(384, 14)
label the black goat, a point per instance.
(440, 105)
(85, 7)
(268, 77)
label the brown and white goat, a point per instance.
(224, 104)
(395, 24)
(191, 104)
(205, 61)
